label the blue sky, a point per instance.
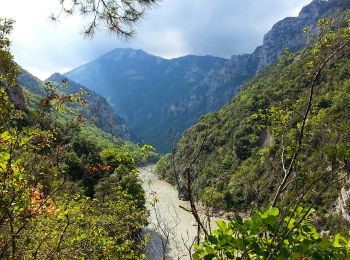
(174, 28)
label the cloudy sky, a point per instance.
(174, 28)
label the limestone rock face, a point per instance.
(157, 95)
(341, 205)
(289, 33)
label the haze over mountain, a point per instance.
(157, 95)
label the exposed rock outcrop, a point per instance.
(15, 94)
(343, 200)
(156, 95)
(288, 33)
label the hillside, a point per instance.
(259, 164)
(158, 96)
(97, 111)
(155, 95)
(68, 189)
(235, 153)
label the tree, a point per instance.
(286, 231)
(118, 16)
(251, 239)
(45, 178)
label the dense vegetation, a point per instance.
(98, 110)
(264, 236)
(161, 98)
(277, 156)
(67, 189)
(282, 141)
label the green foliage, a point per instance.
(164, 168)
(264, 235)
(244, 141)
(8, 68)
(334, 223)
(118, 16)
(63, 195)
(211, 198)
(283, 140)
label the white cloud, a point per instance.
(175, 28)
(167, 43)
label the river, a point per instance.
(167, 219)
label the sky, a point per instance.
(172, 29)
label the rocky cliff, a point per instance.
(157, 96)
(289, 33)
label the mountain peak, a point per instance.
(315, 8)
(54, 77)
(289, 32)
(128, 53)
(318, 7)
(156, 95)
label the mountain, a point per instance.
(98, 111)
(156, 95)
(289, 32)
(236, 154)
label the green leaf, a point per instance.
(270, 212)
(221, 225)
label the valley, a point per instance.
(134, 156)
(178, 224)
(161, 98)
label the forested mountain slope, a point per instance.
(156, 95)
(97, 110)
(68, 190)
(235, 154)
